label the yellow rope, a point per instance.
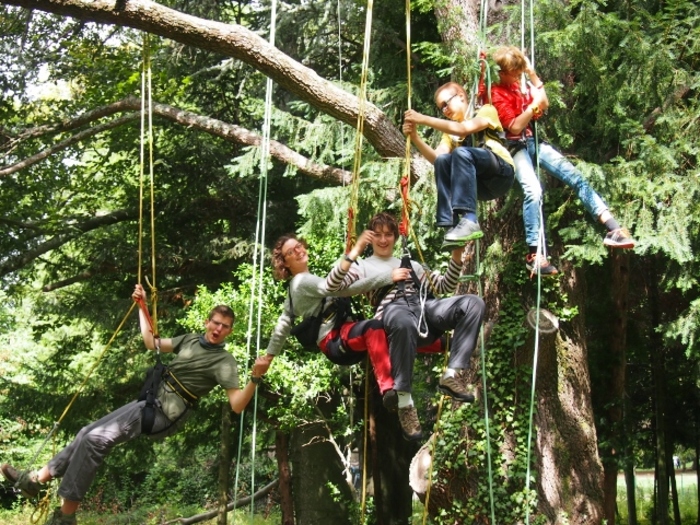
(147, 137)
(355, 185)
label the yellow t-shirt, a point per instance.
(487, 138)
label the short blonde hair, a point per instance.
(510, 58)
(451, 85)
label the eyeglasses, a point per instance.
(217, 324)
(298, 246)
(443, 106)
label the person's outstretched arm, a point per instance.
(239, 398)
(166, 345)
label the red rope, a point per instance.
(146, 313)
(404, 224)
(352, 235)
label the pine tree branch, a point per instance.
(672, 99)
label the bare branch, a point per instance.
(73, 139)
(219, 128)
(230, 506)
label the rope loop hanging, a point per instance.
(351, 236)
(147, 138)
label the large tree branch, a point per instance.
(73, 139)
(240, 43)
(72, 231)
(224, 130)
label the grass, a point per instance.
(686, 484)
(23, 516)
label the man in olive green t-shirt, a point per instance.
(201, 363)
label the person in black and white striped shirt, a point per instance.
(413, 317)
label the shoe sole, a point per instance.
(464, 398)
(451, 245)
(412, 437)
(465, 238)
(626, 245)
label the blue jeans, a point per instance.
(558, 167)
(465, 175)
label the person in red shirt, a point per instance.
(516, 111)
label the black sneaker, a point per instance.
(532, 261)
(22, 480)
(410, 425)
(59, 518)
(619, 238)
(453, 388)
(390, 400)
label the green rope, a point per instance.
(257, 278)
(487, 429)
(541, 251)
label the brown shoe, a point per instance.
(23, 480)
(450, 386)
(390, 400)
(533, 261)
(410, 426)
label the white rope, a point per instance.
(257, 288)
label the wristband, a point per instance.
(256, 380)
(346, 257)
(535, 111)
(540, 86)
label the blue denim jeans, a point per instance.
(465, 175)
(559, 167)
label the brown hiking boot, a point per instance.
(453, 388)
(410, 426)
(23, 480)
(59, 518)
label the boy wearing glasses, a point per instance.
(471, 161)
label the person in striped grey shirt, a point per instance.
(414, 317)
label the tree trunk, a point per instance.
(224, 462)
(315, 466)
(285, 477)
(615, 392)
(631, 494)
(630, 481)
(570, 473)
(659, 378)
(392, 454)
